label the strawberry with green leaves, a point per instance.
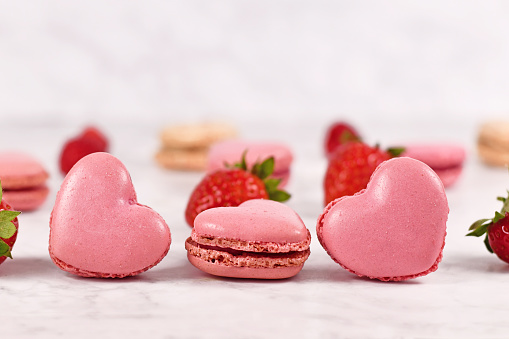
(350, 168)
(8, 228)
(233, 185)
(496, 230)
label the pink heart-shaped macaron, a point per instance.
(394, 229)
(260, 239)
(97, 227)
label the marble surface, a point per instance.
(465, 298)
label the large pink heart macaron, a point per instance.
(394, 229)
(97, 227)
(260, 239)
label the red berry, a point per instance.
(93, 134)
(91, 140)
(234, 185)
(224, 188)
(338, 134)
(350, 168)
(12, 239)
(498, 235)
(496, 230)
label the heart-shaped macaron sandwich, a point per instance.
(259, 239)
(394, 229)
(97, 227)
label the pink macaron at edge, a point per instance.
(26, 199)
(383, 243)
(97, 227)
(19, 170)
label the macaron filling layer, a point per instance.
(251, 246)
(231, 257)
(26, 199)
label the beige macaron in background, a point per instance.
(185, 146)
(493, 142)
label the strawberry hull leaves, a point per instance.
(234, 185)
(8, 229)
(496, 230)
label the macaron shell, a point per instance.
(19, 170)
(436, 156)
(449, 176)
(244, 272)
(97, 228)
(182, 159)
(493, 156)
(231, 151)
(254, 220)
(198, 135)
(495, 133)
(394, 229)
(26, 199)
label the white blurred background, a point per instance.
(165, 61)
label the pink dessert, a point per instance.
(445, 159)
(23, 180)
(260, 239)
(231, 151)
(97, 227)
(394, 229)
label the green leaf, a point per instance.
(7, 229)
(487, 243)
(279, 196)
(395, 151)
(242, 164)
(5, 250)
(480, 230)
(266, 168)
(256, 170)
(498, 216)
(478, 223)
(271, 184)
(8, 215)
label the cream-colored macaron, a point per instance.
(185, 146)
(493, 143)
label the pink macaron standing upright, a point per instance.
(23, 180)
(394, 229)
(445, 159)
(98, 228)
(230, 152)
(259, 239)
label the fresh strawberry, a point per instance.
(339, 133)
(497, 231)
(8, 229)
(234, 185)
(350, 168)
(93, 134)
(91, 140)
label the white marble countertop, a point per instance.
(465, 298)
